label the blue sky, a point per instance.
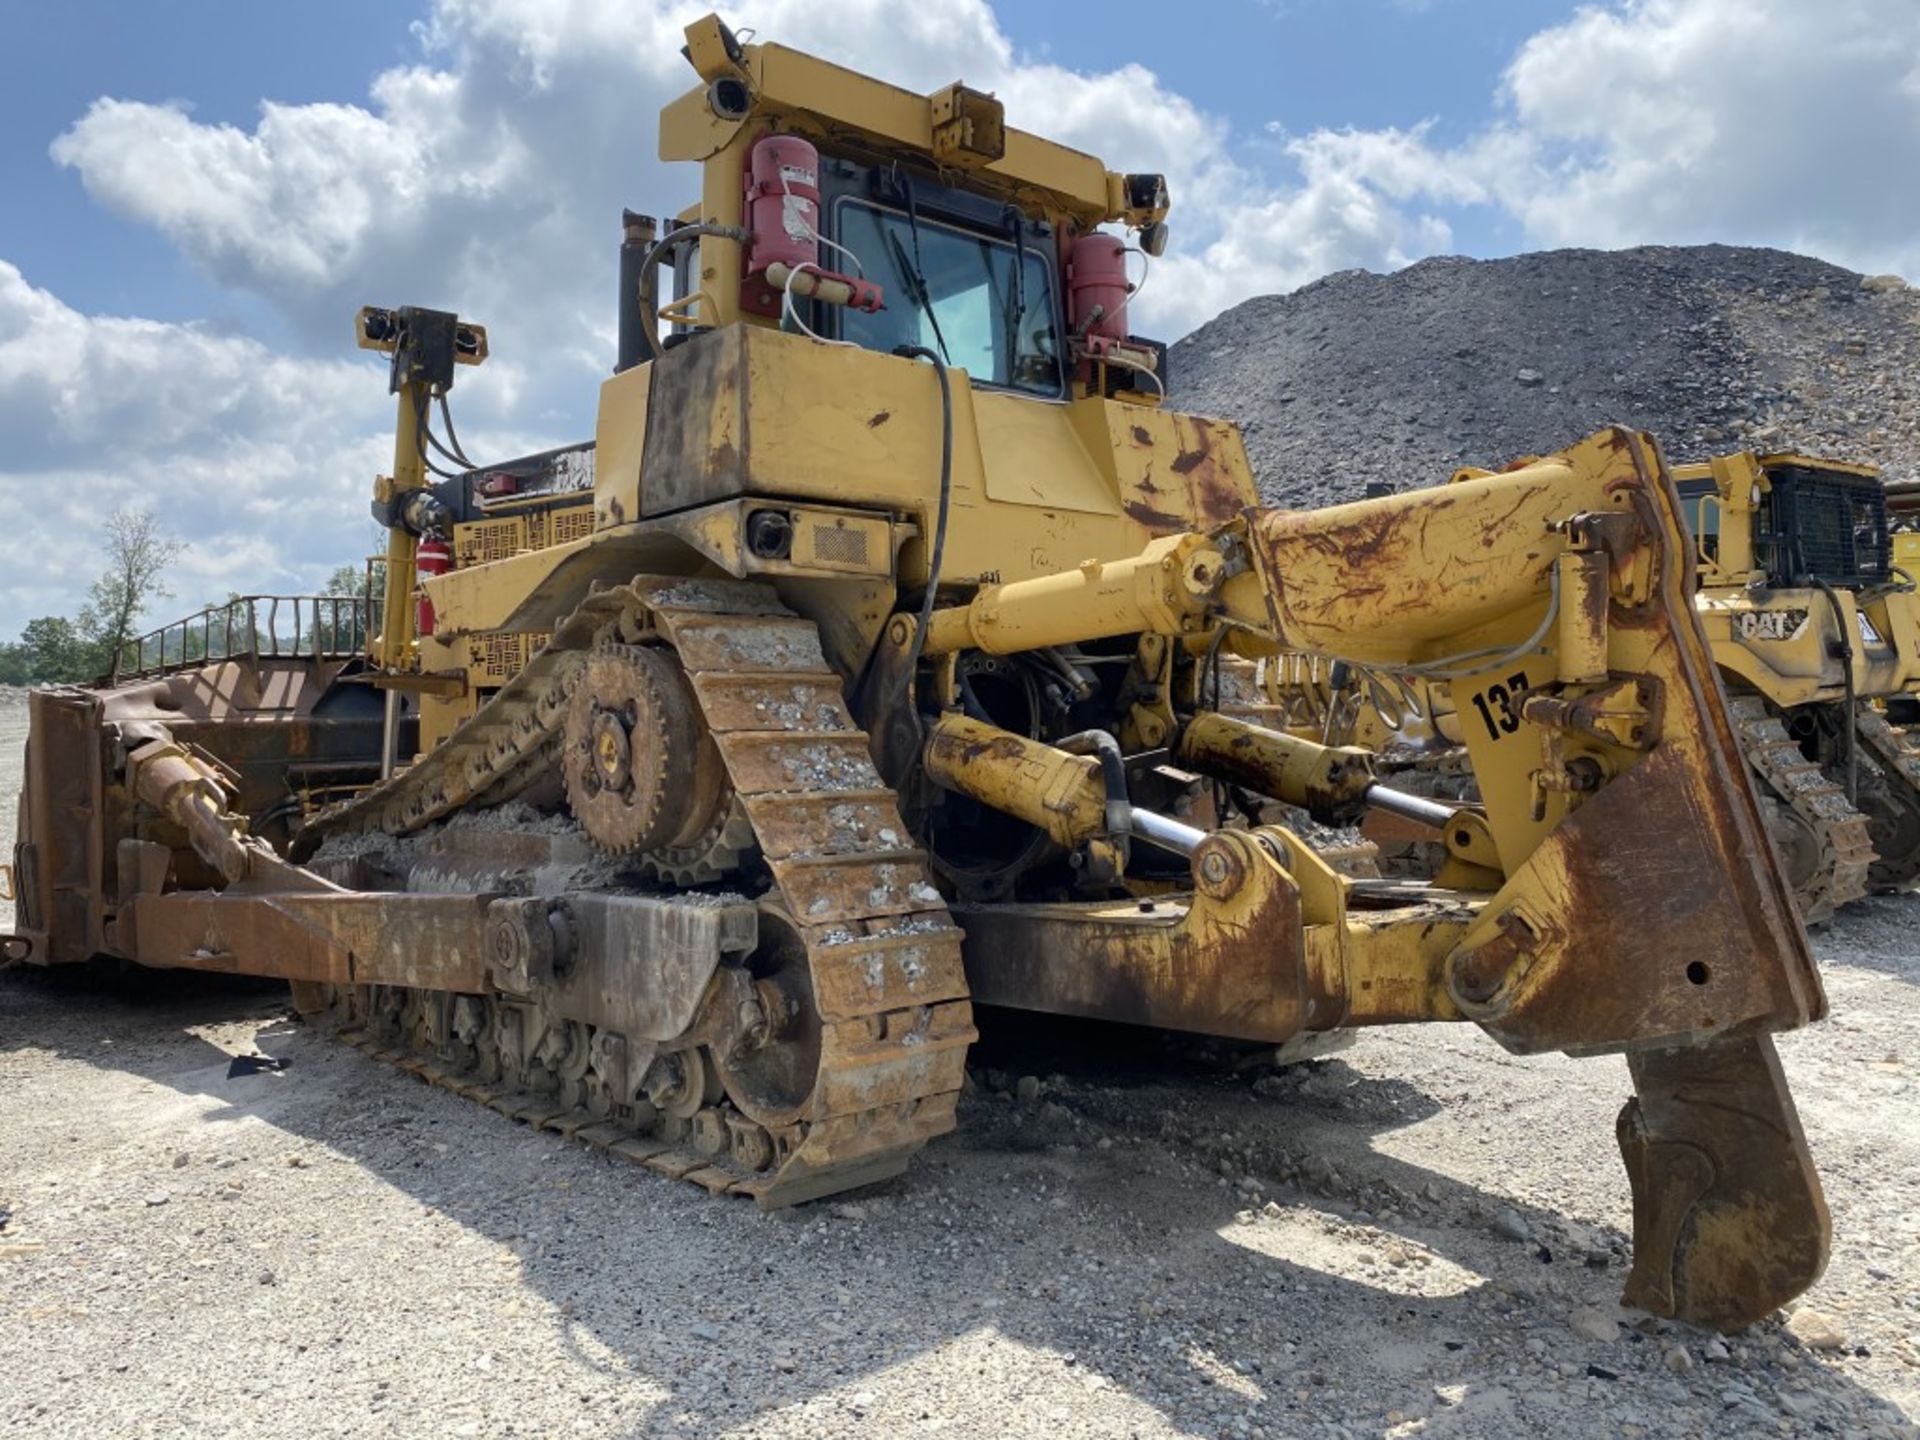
(221, 59)
(199, 194)
(1259, 63)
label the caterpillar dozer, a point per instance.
(871, 665)
(1814, 628)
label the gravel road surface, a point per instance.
(1422, 1236)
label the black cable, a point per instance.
(938, 552)
(422, 433)
(970, 702)
(671, 240)
(666, 242)
(434, 440)
(453, 437)
(1113, 776)
(1846, 670)
(1210, 679)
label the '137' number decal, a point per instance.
(1499, 705)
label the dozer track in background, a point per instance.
(1893, 799)
(865, 942)
(1833, 872)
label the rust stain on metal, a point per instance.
(1142, 435)
(1728, 1218)
(979, 752)
(1368, 538)
(1214, 969)
(1491, 529)
(1217, 499)
(1159, 520)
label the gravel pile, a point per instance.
(1398, 379)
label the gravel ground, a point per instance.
(1401, 378)
(1424, 1236)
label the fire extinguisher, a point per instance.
(1097, 286)
(783, 203)
(433, 557)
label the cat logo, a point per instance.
(1769, 624)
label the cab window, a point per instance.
(975, 300)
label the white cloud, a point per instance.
(1766, 121)
(265, 458)
(487, 176)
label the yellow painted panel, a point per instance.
(1034, 456)
(619, 443)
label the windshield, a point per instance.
(960, 294)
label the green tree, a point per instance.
(345, 627)
(53, 649)
(138, 554)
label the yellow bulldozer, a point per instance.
(1815, 629)
(692, 787)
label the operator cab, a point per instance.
(837, 206)
(1824, 522)
(1812, 521)
(968, 277)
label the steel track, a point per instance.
(882, 952)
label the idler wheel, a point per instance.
(642, 772)
(1893, 822)
(772, 1062)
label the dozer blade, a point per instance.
(1728, 1219)
(1652, 916)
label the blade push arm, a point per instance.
(1556, 601)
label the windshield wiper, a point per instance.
(917, 287)
(1016, 310)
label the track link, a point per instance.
(882, 954)
(1840, 832)
(1896, 863)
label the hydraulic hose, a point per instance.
(1113, 774)
(660, 247)
(938, 550)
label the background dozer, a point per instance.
(873, 663)
(1812, 624)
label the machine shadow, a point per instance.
(1221, 1321)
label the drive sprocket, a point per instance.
(641, 769)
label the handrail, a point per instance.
(252, 628)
